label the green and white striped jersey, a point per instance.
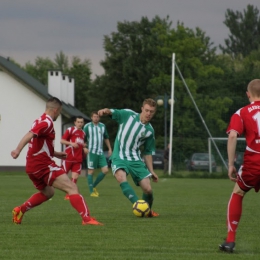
(131, 135)
(95, 135)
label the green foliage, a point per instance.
(244, 31)
(78, 69)
(39, 70)
(192, 213)
(81, 72)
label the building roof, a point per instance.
(36, 86)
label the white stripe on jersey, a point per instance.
(44, 149)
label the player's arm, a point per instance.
(104, 112)
(66, 142)
(107, 142)
(60, 155)
(25, 140)
(149, 163)
(231, 149)
(85, 148)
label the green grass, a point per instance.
(190, 226)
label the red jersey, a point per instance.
(41, 147)
(247, 121)
(74, 135)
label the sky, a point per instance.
(42, 28)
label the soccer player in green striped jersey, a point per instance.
(134, 131)
(96, 134)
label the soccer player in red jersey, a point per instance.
(73, 138)
(43, 171)
(245, 121)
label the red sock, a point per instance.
(74, 180)
(233, 215)
(77, 202)
(35, 200)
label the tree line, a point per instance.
(137, 65)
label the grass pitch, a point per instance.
(190, 226)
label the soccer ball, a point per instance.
(141, 208)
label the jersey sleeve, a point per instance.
(119, 115)
(85, 130)
(236, 124)
(106, 136)
(66, 135)
(39, 127)
(149, 145)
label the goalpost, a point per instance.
(221, 143)
(220, 151)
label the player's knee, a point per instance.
(147, 190)
(72, 188)
(48, 192)
(105, 171)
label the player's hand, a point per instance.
(15, 154)
(60, 155)
(155, 177)
(101, 112)
(232, 173)
(85, 150)
(104, 112)
(75, 145)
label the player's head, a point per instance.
(95, 117)
(148, 110)
(79, 122)
(53, 107)
(253, 90)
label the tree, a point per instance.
(39, 70)
(61, 61)
(78, 69)
(244, 29)
(138, 65)
(81, 72)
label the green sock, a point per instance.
(128, 192)
(148, 198)
(99, 178)
(90, 182)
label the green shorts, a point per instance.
(137, 169)
(95, 161)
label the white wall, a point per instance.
(19, 107)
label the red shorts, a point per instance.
(248, 179)
(46, 177)
(72, 166)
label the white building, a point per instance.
(22, 100)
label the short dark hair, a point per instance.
(94, 113)
(78, 117)
(151, 102)
(53, 102)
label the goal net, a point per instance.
(217, 148)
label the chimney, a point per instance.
(54, 83)
(64, 88)
(71, 92)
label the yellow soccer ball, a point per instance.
(141, 208)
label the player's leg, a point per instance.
(146, 187)
(92, 165)
(44, 194)
(141, 177)
(234, 212)
(147, 191)
(102, 174)
(67, 166)
(62, 182)
(75, 172)
(127, 190)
